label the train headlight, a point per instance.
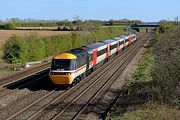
(68, 73)
(51, 73)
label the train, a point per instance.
(70, 67)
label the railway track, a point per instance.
(120, 94)
(100, 106)
(24, 74)
(76, 106)
(35, 78)
(64, 113)
(40, 109)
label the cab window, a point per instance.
(63, 64)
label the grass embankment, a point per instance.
(33, 47)
(138, 103)
(153, 91)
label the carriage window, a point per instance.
(126, 40)
(101, 52)
(113, 46)
(122, 42)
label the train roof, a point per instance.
(108, 41)
(119, 38)
(95, 45)
(65, 55)
(78, 52)
(125, 36)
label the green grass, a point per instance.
(137, 88)
(152, 111)
(139, 101)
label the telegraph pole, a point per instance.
(176, 20)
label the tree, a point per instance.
(15, 50)
(10, 26)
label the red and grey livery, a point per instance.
(69, 67)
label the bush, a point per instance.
(15, 50)
(166, 72)
(10, 26)
(36, 47)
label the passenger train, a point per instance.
(70, 67)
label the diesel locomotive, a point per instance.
(70, 67)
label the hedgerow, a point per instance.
(34, 47)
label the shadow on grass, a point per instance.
(135, 95)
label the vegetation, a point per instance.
(8, 26)
(152, 111)
(153, 91)
(138, 92)
(166, 72)
(65, 23)
(15, 50)
(34, 47)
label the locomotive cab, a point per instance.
(62, 68)
(63, 64)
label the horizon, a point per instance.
(146, 11)
(70, 20)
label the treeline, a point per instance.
(55, 23)
(34, 47)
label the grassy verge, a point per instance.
(152, 111)
(139, 102)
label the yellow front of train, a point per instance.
(63, 68)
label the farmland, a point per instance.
(6, 34)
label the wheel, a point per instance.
(74, 83)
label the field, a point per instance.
(5, 34)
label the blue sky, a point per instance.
(145, 10)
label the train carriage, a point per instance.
(69, 67)
(120, 41)
(112, 46)
(100, 52)
(133, 37)
(126, 41)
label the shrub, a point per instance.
(10, 26)
(166, 72)
(36, 47)
(15, 50)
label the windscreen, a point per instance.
(63, 64)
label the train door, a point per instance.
(109, 50)
(124, 45)
(130, 40)
(95, 57)
(87, 61)
(118, 46)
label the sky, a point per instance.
(145, 10)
